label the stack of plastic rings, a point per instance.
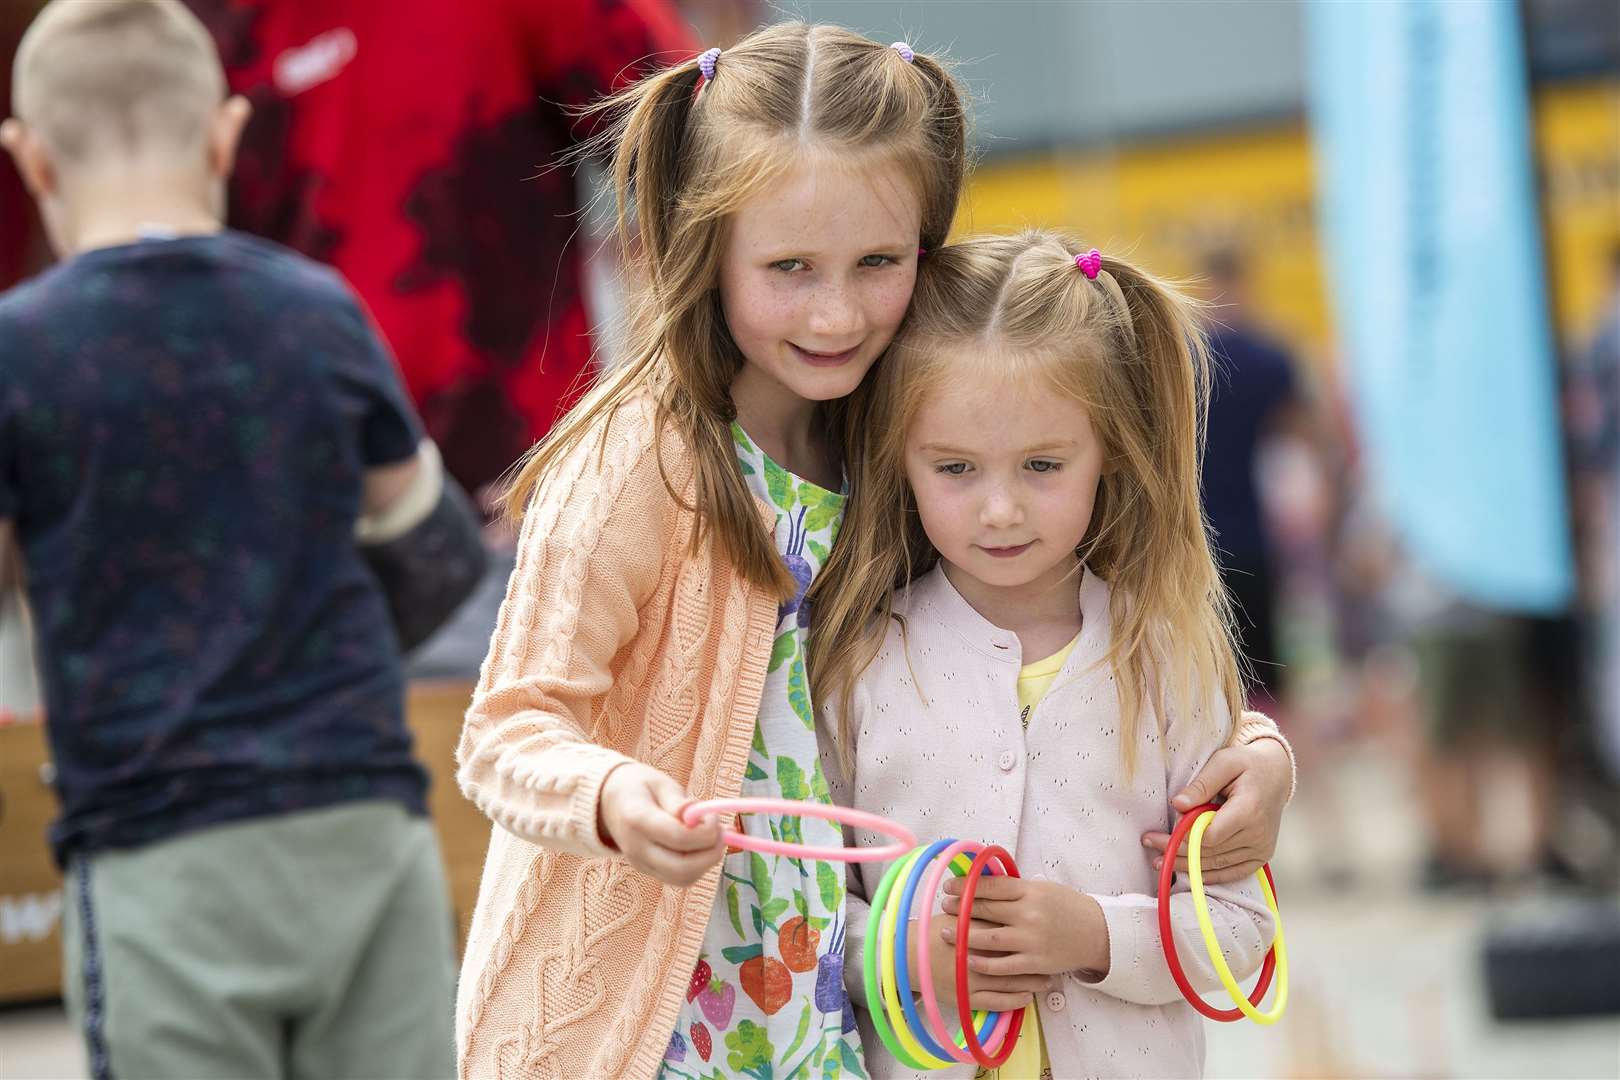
(985, 1038)
(1191, 827)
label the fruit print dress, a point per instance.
(767, 998)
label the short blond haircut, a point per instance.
(111, 79)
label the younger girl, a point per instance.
(1056, 663)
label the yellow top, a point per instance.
(1035, 679)
(1028, 1060)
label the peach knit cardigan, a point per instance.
(615, 642)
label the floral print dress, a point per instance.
(767, 998)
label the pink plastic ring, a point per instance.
(925, 966)
(904, 841)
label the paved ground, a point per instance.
(1388, 981)
(1385, 981)
(1390, 988)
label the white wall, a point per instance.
(1067, 71)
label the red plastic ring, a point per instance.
(964, 920)
(1167, 878)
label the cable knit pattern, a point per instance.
(615, 642)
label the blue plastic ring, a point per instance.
(902, 957)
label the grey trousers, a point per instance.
(311, 945)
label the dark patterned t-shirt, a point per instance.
(184, 429)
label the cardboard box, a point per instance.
(31, 889)
(434, 711)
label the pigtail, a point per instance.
(881, 547)
(649, 170)
(947, 135)
(1157, 500)
(641, 130)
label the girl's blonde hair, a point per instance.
(1126, 345)
(685, 159)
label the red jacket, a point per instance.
(412, 145)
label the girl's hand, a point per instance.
(998, 993)
(638, 813)
(1254, 779)
(1026, 926)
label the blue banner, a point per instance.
(1420, 118)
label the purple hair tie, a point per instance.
(706, 63)
(904, 50)
(1089, 263)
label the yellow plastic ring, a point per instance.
(1195, 878)
(886, 981)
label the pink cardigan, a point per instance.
(939, 748)
(614, 643)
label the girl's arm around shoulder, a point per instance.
(1136, 969)
(591, 553)
(1254, 774)
(1258, 731)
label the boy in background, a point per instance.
(195, 425)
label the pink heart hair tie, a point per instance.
(1090, 263)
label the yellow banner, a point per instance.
(1167, 201)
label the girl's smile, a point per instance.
(1006, 552)
(824, 359)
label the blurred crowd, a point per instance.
(1357, 644)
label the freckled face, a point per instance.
(817, 273)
